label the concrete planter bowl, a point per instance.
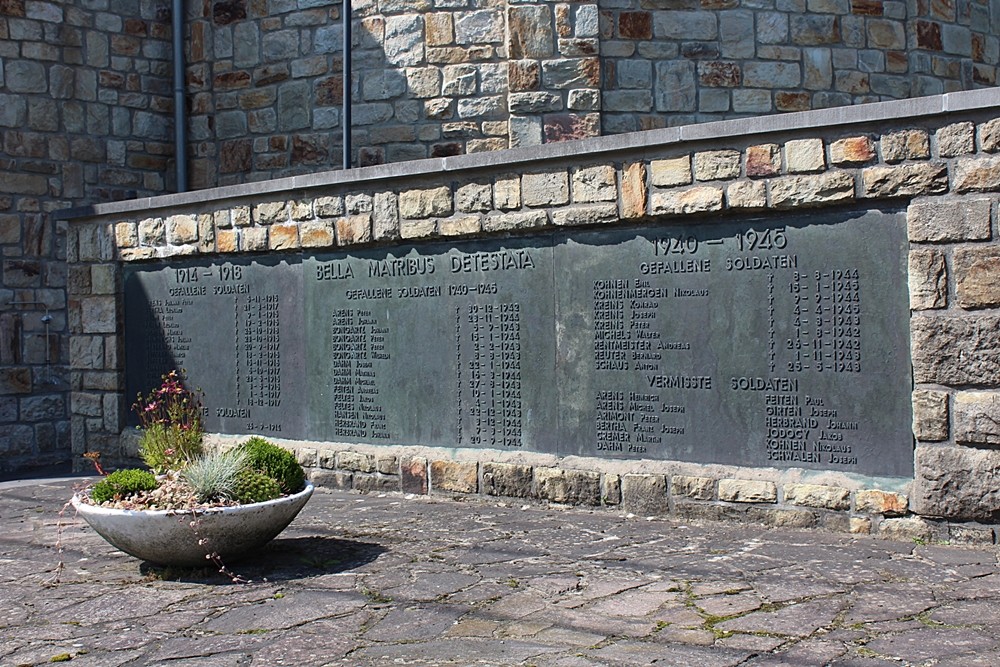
(167, 537)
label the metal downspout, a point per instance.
(345, 116)
(180, 103)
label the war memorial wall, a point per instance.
(747, 343)
(790, 319)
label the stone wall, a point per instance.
(84, 117)
(939, 157)
(435, 79)
(672, 63)
(85, 105)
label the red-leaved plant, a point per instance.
(170, 418)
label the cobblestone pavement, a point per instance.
(387, 580)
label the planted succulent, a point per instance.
(188, 478)
(253, 472)
(170, 421)
(211, 487)
(256, 487)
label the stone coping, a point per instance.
(512, 159)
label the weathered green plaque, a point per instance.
(780, 342)
(763, 343)
(235, 328)
(435, 344)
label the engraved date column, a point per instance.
(481, 379)
(258, 329)
(510, 375)
(491, 362)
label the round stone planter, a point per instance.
(167, 537)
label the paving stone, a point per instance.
(454, 651)
(729, 605)
(919, 646)
(796, 620)
(377, 579)
(641, 653)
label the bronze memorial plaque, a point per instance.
(233, 326)
(434, 344)
(778, 343)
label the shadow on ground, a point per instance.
(282, 559)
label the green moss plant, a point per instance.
(123, 483)
(273, 461)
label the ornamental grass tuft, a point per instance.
(214, 476)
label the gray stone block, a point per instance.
(404, 40)
(529, 30)
(772, 27)
(383, 85)
(956, 352)
(280, 45)
(479, 27)
(571, 73)
(736, 34)
(772, 75)
(752, 101)
(229, 124)
(459, 80)
(946, 221)
(507, 479)
(246, 44)
(977, 417)
(578, 487)
(956, 483)
(525, 131)
(634, 74)
(328, 39)
(24, 76)
(533, 102)
(13, 111)
(928, 279)
(628, 100)
(675, 86)
(645, 494)
(294, 105)
(685, 25)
